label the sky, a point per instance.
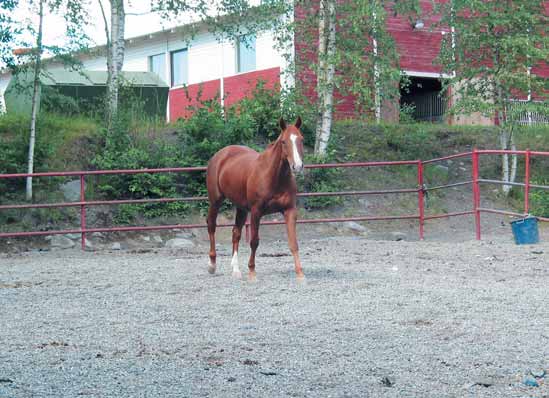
(136, 25)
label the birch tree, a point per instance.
(115, 48)
(115, 41)
(352, 52)
(325, 73)
(29, 60)
(493, 56)
(344, 43)
(35, 97)
(8, 31)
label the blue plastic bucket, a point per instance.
(525, 231)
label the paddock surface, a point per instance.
(374, 319)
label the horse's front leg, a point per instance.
(254, 242)
(290, 216)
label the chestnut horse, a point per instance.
(259, 183)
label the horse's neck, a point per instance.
(276, 167)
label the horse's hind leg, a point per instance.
(240, 220)
(212, 220)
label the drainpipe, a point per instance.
(222, 79)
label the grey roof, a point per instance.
(98, 78)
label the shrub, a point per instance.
(320, 180)
(539, 199)
(124, 150)
(61, 143)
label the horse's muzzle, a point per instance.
(297, 169)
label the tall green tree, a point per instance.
(8, 31)
(492, 50)
(345, 43)
(115, 48)
(30, 61)
(114, 28)
(351, 51)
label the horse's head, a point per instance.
(292, 144)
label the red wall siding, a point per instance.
(417, 48)
(182, 99)
(240, 86)
(306, 49)
(236, 88)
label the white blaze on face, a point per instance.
(297, 160)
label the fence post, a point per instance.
(420, 196)
(476, 192)
(83, 210)
(527, 182)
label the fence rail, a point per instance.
(526, 117)
(420, 189)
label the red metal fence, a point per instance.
(421, 190)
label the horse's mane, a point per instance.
(272, 144)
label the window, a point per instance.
(180, 67)
(157, 64)
(245, 54)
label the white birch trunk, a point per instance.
(116, 50)
(324, 125)
(513, 176)
(35, 98)
(504, 143)
(321, 74)
(377, 98)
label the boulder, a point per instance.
(398, 236)
(71, 190)
(354, 226)
(184, 235)
(61, 242)
(179, 243)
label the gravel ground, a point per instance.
(374, 318)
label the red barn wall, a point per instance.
(242, 85)
(182, 99)
(418, 48)
(236, 88)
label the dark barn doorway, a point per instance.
(423, 100)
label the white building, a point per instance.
(204, 64)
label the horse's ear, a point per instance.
(298, 122)
(282, 124)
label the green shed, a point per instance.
(87, 88)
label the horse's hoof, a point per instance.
(237, 275)
(301, 279)
(211, 269)
(252, 277)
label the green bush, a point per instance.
(264, 108)
(539, 199)
(208, 130)
(126, 149)
(61, 143)
(53, 101)
(320, 180)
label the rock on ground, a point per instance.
(71, 190)
(60, 241)
(179, 243)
